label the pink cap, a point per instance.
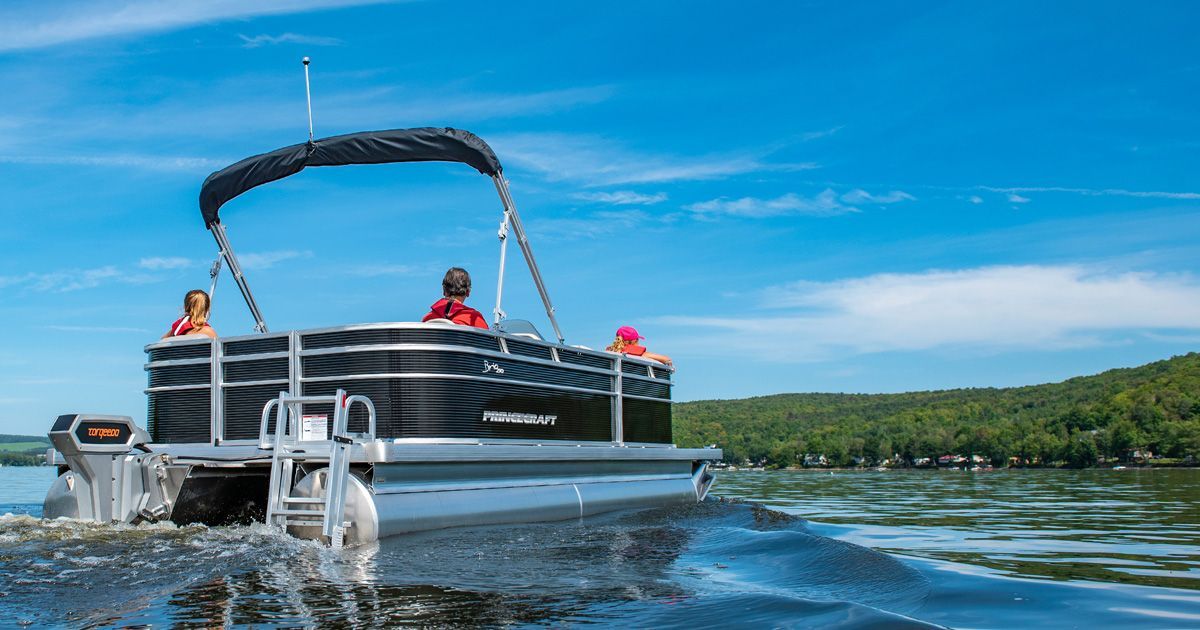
(628, 333)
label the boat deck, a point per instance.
(397, 452)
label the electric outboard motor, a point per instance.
(113, 476)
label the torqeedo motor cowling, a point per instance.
(113, 476)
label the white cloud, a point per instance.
(827, 203)
(589, 226)
(1094, 192)
(859, 195)
(597, 161)
(58, 380)
(259, 109)
(26, 25)
(157, 263)
(373, 271)
(1003, 307)
(1190, 340)
(1015, 198)
(824, 204)
(98, 329)
(8, 281)
(395, 106)
(623, 198)
(825, 133)
(266, 260)
(288, 38)
(147, 162)
(975, 199)
(67, 280)
(482, 106)
(73, 279)
(459, 236)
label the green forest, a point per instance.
(22, 450)
(1117, 416)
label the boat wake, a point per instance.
(714, 563)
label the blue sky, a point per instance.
(782, 196)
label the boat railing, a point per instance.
(419, 377)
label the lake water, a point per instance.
(1087, 549)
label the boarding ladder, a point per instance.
(289, 445)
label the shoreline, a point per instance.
(947, 469)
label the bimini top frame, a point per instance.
(424, 144)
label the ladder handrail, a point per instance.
(338, 473)
(280, 466)
(366, 402)
(283, 421)
(263, 444)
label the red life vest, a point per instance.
(182, 326)
(456, 312)
(634, 350)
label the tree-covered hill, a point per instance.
(1154, 407)
(22, 450)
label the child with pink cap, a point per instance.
(627, 343)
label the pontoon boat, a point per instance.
(357, 432)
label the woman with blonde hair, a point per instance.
(195, 317)
(626, 342)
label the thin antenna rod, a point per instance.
(308, 97)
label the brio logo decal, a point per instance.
(512, 417)
(488, 366)
(103, 432)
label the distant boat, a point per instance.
(1118, 467)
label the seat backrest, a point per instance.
(519, 328)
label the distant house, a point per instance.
(921, 461)
(951, 460)
(815, 460)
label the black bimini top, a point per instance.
(424, 144)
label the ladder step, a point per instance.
(313, 501)
(308, 523)
(316, 457)
(292, 512)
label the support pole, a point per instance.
(498, 313)
(308, 99)
(214, 272)
(515, 219)
(235, 269)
